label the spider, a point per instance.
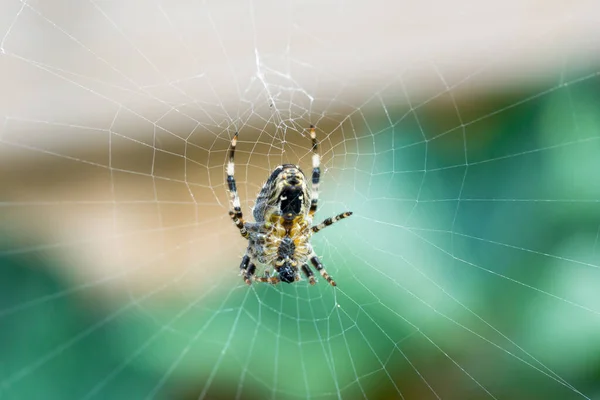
(284, 211)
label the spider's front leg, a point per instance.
(316, 173)
(236, 211)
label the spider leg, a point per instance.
(236, 211)
(314, 260)
(309, 274)
(266, 279)
(330, 221)
(316, 172)
(247, 269)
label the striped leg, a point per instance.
(267, 279)
(330, 221)
(247, 269)
(234, 199)
(314, 260)
(309, 274)
(316, 173)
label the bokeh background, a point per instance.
(464, 136)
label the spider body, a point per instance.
(280, 237)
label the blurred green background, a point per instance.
(464, 137)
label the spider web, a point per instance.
(468, 270)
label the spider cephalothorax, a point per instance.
(280, 237)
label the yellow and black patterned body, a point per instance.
(280, 237)
(284, 245)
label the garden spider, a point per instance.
(284, 211)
